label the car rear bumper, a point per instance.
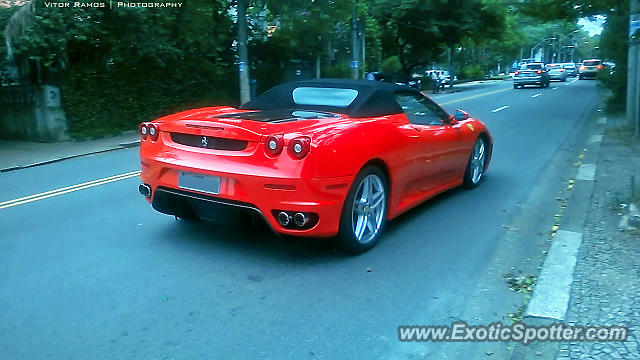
(321, 200)
(528, 81)
(557, 76)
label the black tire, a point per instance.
(347, 239)
(515, 86)
(580, 77)
(469, 180)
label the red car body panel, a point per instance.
(420, 161)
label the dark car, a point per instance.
(531, 74)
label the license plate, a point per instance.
(198, 182)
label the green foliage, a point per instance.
(391, 65)
(614, 47)
(118, 67)
(5, 14)
(473, 72)
(340, 70)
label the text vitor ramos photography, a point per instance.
(111, 4)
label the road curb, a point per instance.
(573, 222)
(124, 145)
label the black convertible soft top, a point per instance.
(374, 98)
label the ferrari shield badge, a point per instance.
(471, 127)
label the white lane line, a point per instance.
(555, 88)
(551, 294)
(536, 95)
(572, 81)
(586, 172)
(500, 108)
(595, 139)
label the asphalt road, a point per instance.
(95, 273)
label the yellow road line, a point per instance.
(68, 189)
(474, 96)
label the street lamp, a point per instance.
(564, 36)
(538, 44)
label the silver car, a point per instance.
(531, 74)
(589, 69)
(557, 72)
(571, 69)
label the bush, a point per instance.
(340, 70)
(473, 72)
(391, 65)
(616, 82)
(120, 67)
(100, 103)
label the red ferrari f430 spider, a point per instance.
(319, 158)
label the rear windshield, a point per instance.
(551, 66)
(324, 96)
(568, 66)
(531, 67)
(591, 63)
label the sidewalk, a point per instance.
(606, 280)
(20, 154)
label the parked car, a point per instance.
(445, 75)
(589, 68)
(531, 74)
(571, 69)
(318, 158)
(557, 72)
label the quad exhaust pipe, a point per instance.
(287, 219)
(284, 219)
(145, 190)
(300, 219)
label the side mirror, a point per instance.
(460, 115)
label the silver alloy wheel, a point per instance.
(368, 208)
(477, 161)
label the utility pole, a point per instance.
(354, 66)
(633, 73)
(243, 63)
(363, 42)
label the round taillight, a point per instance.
(153, 132)
(299, 147)
(274, 145)
(143, 130)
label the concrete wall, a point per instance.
(33, 113)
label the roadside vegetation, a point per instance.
(118, 67)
